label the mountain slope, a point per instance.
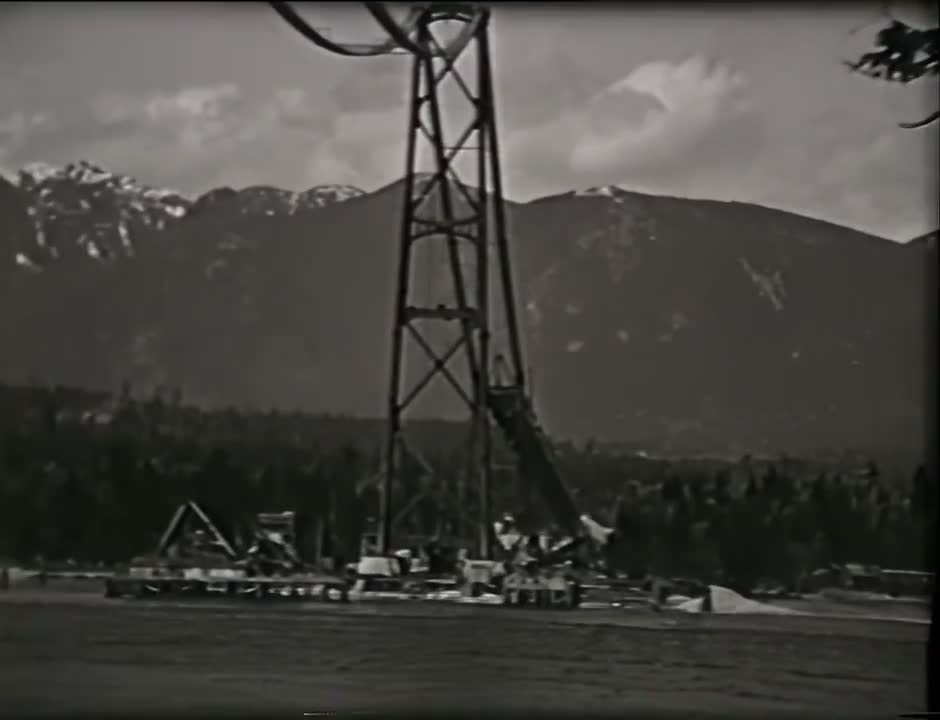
(673, 322)
(716, 320)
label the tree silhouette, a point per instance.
(903, 54)
(104, 491)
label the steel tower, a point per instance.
(467, 221)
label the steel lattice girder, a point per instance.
(415, 37)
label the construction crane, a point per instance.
(467, 214)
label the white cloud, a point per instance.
(195, 138)
(695, 97)
(19, 124)
(644, 129)
(372, 143)
(17, 128)
(691, 83)
(703, 129)
(191, 103)
(688, 128)
(198, 137)
(193, 115)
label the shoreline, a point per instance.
(82, 588)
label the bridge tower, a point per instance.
(463, 215)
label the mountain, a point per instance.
(725, 320)
(670, 323)
(84, 210)
(926, 241)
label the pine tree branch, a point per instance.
(922, 123)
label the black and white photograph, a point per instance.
(468, 359)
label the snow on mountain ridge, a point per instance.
(339, 192)
(34, 175)
(60, 189)
(83, 207)
(603, 191)
(270, 200)
(85, 173)
(105, 215)
(37, 172)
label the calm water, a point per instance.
(79, 652)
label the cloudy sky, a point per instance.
(746, 102)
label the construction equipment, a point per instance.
(191, 538)
(273, 549)
(194, 558)
(469, 215)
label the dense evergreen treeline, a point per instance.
(94, 479)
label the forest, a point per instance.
(91, 478)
